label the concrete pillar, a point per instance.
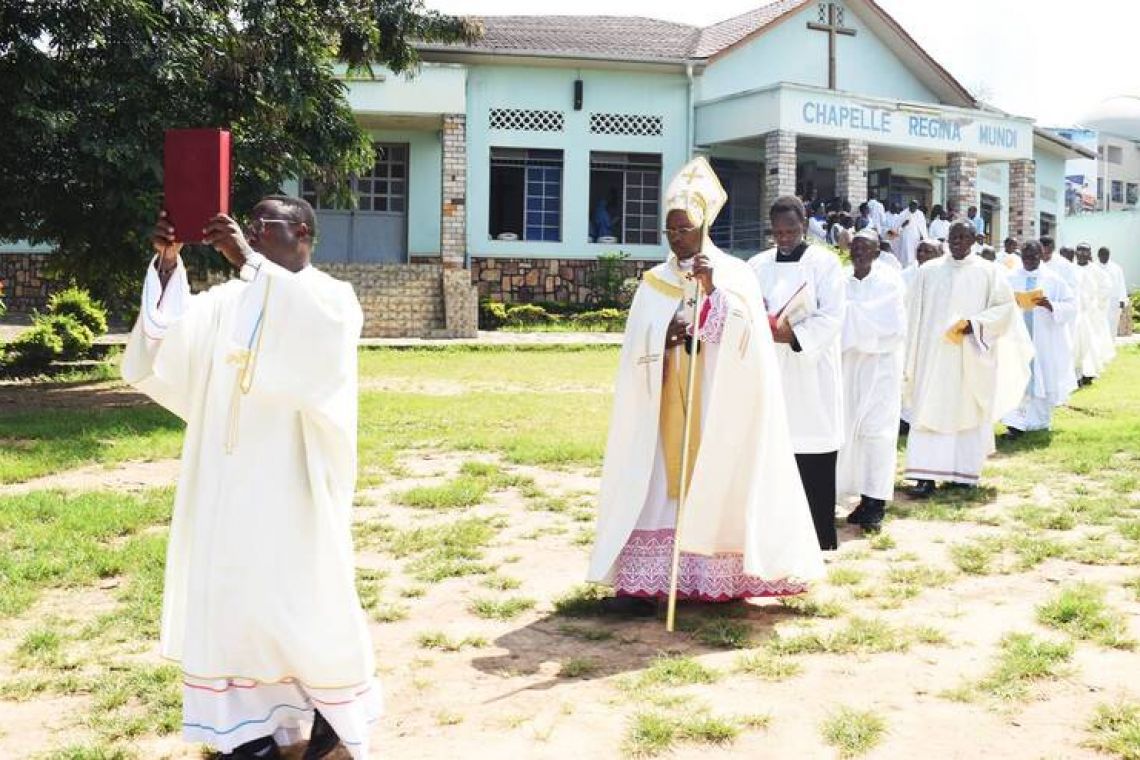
(961, 183)
(779, 168)
(1023, 199)
(851, 172)
(453, 213)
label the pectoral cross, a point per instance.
(834, 27)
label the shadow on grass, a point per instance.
(1037, 439)
(590, 644)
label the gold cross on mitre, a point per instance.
(696, 189)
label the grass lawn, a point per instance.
(1013, 609)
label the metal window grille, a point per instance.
(526, 120)
(641, 193)
(641, 125)
(542, 189)
(384, 188)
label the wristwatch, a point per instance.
(251, 266)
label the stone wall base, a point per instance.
(27, 286)
(568, 281)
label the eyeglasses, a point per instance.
(678, 231)
(257, 226)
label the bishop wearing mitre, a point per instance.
(745, 528)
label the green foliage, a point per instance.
(1080, 610)
(136, 68)
(75, 337)
(607, 279)
(34, 350)
(1115, 729)
(492, 314)
(607, 320)
(853, 732)
(79, 304)
(528, 315)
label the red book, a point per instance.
(196, 179)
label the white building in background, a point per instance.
(1111, 182)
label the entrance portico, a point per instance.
(826, 144)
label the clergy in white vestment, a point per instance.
(892, 222)
(260, 609)
(1010, 256)
(884, 257)
(874, 328)
(804, 292)
(928, 250)
(1067, 271)
(745, 529)
(878, 213)
(1100, 296)
(1047, 306)
(967, 363)
(912, 229)
(939, 227)
(1118, 301)
(1088, 354)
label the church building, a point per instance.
(514, 161)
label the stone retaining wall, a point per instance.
(26, 284)
(528, 280)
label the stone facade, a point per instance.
(961, 183)
(779, 167)
(557, 280)
(26, 283)
(851, 171)
(1023, 199)
(453, 215)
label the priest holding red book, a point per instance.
(260, 608)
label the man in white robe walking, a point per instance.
(745, 529)
(1100, 293)
(1118, 301)
(260, 608)
(967, 364)
(912, 229)
(874, 328)
(804, 293)
(1048, 308)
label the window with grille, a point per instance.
(1047, 224)
(383, 189)
(625, 198)
(527, 120)
(1132, 193)
(526, 194)
(643, 125)
(1117, 191)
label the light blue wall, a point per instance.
(425, 173)
(790, 52)
(1119, 230)
(993, 179)
(626, 92)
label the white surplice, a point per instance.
(259, 604)
(1093, 347)
(745, 496)
(956, 391)
(874, 328)
(812, 375)
(1052, 378)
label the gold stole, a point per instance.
(676, 375)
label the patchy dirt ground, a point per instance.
(510, 695)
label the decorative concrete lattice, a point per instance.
(525, 120)
(641, 125)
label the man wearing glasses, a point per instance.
(260, 607)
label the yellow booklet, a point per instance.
(1027, 299)
(956, 334)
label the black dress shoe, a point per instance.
(922, 489)
(857, 514)
(264, 748)
(323, 739)
(1012, 433)
(873, 516)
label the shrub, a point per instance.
(528, 314)
(607, 280)
(34, 350)
(75, 337)
(79, 304)
(492, 314)
(610, 320)
(3, 308)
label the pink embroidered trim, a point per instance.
(712, 317)
(644, 564)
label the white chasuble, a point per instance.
(260, 577)
(956, 385)
(745, 496)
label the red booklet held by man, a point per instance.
(196, 181)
